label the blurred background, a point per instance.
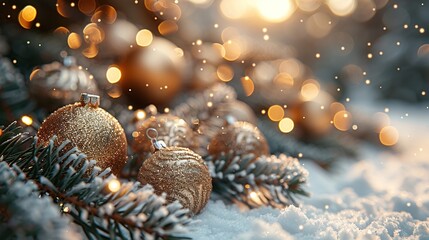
(319, 76)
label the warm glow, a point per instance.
(25, 24)
(286, 125)
(87, 6)
(276, 113)
(140, 114)
(342, 7)
(389, 136)
(105, 14)
(232, 50)
(91, 51)
(167, 27)
(309, 5)
(310, 90)
(234, 9)
(29, 13)
(225, 73)
(253, 195)
(284, 80)
(93, 34)
(292, 66)
(248, 85)
(27, 120)
(114, 185)
(275, 10)
(343, 120)
(113, 74)
(74, 40)
(144, 37)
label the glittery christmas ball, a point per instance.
(241, 137)
(91, 129)
(181, 174)
(153, 73)
(54, 85)
(173, 130)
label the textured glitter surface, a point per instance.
(93, 130)
(181, 174)
(172, 130)
(242, 137)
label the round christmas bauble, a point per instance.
(173, 130)
(91, 129)
(311, 120)
(242, 138)
(181, 174)
(54, 85)
(237, 110)
(153, 74)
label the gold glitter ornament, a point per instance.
(242, 138)
(173, 130)
(179, 172)
(54, 85)
(91, 129)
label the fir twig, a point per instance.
(26, 215)
(266, 180)
(81, 189)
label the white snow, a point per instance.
(384, 195)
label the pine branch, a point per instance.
(267, 180)
(26, 215)
(81, 189)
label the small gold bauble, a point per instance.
(181, 174)
(173, 130)
(91, 129)
(242, 138)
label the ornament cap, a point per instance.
(152, 134)
(90, 99)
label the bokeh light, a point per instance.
(389, 136)
(343, 120)
(144, 38)
(113, 74)
(286, 125)
(276, 113)
(275, 10)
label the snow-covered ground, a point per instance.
(384, 195)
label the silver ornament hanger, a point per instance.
(152, 134)
(90, 99)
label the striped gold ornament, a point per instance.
(181, 173)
